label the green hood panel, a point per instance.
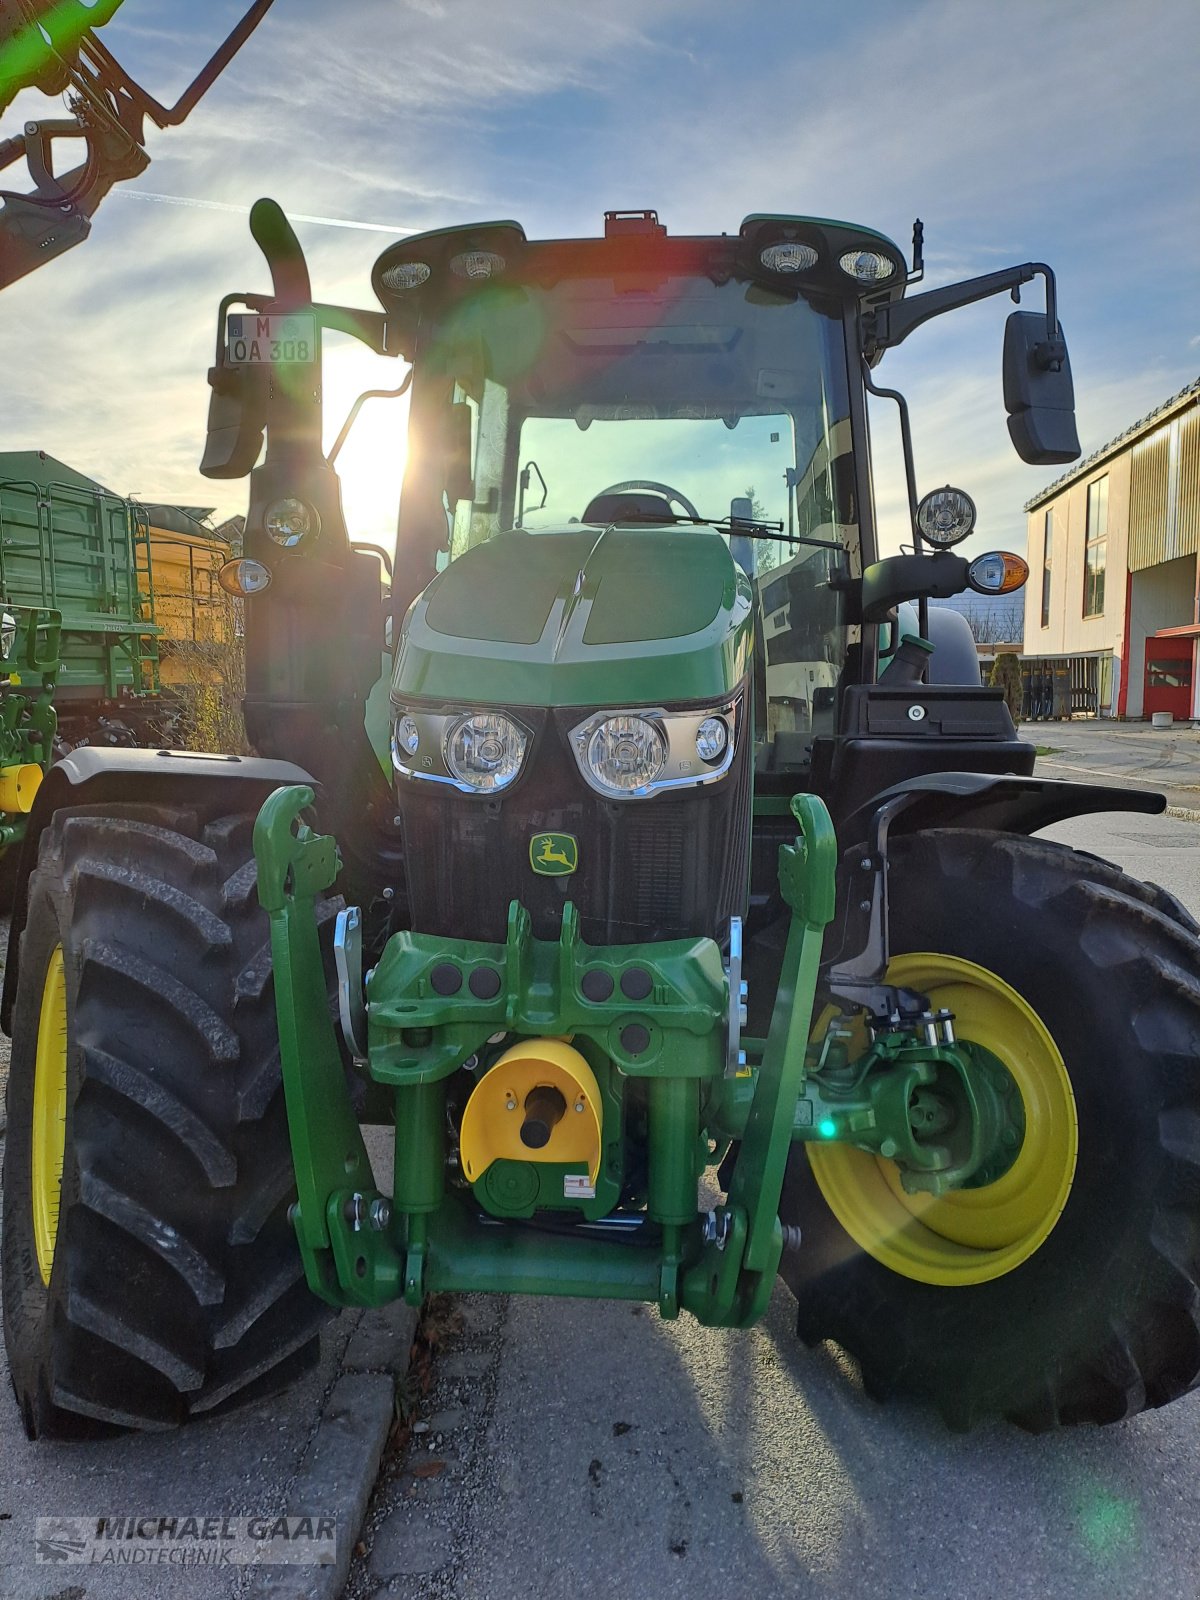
(577, 617)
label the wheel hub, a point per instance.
(1003, 1211)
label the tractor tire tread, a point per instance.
(184, 1176)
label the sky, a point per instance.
(1044, 130)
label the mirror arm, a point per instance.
(910, 471)
(367, 394)
(889, 325)
(910, 477)
(369, 327)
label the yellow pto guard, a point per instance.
(540, 1102)
(18, 786)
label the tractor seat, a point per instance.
(630, 506)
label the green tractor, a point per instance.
(677, 907)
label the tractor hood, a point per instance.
(576, 617)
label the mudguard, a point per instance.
(96, 777)
(1007, 803)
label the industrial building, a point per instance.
(1111, 618)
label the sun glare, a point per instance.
(371, 462)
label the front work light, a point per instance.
(242, 576)
(477, 264)
(405, 275)
(998, 572)
(867, 266)
(788, 256)
(484, 750)
(946, 516)
(290, 521)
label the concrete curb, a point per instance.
(340, 1465)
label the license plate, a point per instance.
(253, 337)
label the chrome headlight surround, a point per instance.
(422, 739)
(682, 766)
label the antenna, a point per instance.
(918, 252)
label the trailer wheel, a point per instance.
(1067, 1290)
(150, 1272)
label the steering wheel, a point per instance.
(659, 488)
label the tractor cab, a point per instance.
(666, 394)
(637, 474)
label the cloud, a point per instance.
(1064, 133)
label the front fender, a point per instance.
(99, 776)
(1005, 802)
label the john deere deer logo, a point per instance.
(553, 854)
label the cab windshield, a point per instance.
(597, 401)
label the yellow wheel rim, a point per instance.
(49, 1112)
(970, 1235)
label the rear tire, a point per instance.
(172, 1283)
(1102, 1318)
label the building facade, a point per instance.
(1111, 614)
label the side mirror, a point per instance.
(237, 419)
(1039, 395)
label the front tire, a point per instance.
(1066, 1291)
(150, 1271)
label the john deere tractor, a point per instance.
(676, 900)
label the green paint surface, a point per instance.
(581, 617)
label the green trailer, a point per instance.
(75, 582)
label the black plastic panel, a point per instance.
(674, 866)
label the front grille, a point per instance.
(671, 867)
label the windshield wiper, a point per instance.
(748, 528)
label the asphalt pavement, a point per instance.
(597, 1451)
(1122, 753)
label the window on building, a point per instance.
(1171, 672)
(1047, 548)
(1096, 551)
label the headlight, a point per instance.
(711, 738)
(8, 634)
(946, 516)
(624, 754)
(290, 521)
(484, 750)
(476, 752)
(629, 755)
